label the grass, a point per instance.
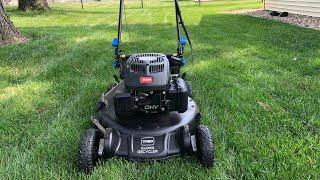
(256, 81)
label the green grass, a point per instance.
(257, 83)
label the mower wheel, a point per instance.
(205, 145)
(189, 86)
(88, 154)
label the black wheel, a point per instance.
(190, 93)
(205, 145)
(88, 154)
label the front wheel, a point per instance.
(88, 155)
(205, 146)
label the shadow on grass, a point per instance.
(59, 11)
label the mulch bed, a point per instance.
(300, 20)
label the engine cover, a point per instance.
(147, 71)
(175, 98)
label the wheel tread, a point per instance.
(88, 150)
(205, 146)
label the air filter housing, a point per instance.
(147, 71)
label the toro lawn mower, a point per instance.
(150, 113)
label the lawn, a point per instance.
(257, 83)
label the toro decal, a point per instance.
(147, 146)
(147, 141)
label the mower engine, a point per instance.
(150, 87)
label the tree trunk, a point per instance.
(8, 33)
(5, 2)
(33, 5)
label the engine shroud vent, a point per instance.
(147, 64)
(156, 68)
(137, 68)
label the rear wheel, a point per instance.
(205, 146)
(88, 154)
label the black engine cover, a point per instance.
(178, 96)
(175, 98)
(124, 104)
(151, 65)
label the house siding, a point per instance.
(304, 7)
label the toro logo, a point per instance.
(146, 79)
(147, 141)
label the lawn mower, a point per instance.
(149, 113)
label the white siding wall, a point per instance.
(305, 7)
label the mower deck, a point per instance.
(146, 136)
